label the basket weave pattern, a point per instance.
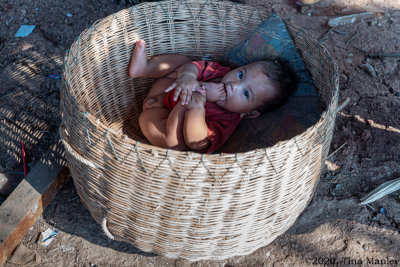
(182, 204)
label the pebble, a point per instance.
(366, 134)
(368, 68)
(365, 247)
(390, 65)
(55, 102)
(392, 20)
(348, 61)
(344, 77)
(68, 247)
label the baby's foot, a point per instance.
(215, 92)
(139, 65)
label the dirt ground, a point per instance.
(333, 229)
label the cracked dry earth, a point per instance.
(333, 230)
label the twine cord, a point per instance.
(140, 157)
(72, 109)
(204, 164)
(270, 162)
(109, 142)
(86, 126)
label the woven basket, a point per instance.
(182, 204)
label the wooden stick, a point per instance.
(6, 44)
(25, 204)
(23, 158)
(351, 38)
(334, 152)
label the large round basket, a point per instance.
(183, 204)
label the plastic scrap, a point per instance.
(68, 247)
(383, 211)
(25, 30)
(381, 191)
(47, 236)
(353, 18)
(306, 2)
(55, 76)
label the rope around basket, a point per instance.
(105, 229)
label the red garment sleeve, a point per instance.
(221, 124)
(209, 70)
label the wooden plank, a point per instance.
(27, 202)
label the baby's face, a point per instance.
(246, 88)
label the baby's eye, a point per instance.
(246, 93)
(240, 75)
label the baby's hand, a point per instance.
(184, 86)
(198, 100)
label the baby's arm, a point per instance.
(194, 127)
(186, 83)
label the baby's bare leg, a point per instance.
(156, 95)
(155, 67)
(160, 126)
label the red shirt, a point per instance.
(220, 122)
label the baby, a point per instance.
(197, 105)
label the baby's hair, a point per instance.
(283, 80)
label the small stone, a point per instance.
(344, 77)
(390, 65)
(392, 20)
(368, 68)
(348, 61)
(365, 247)
(55, 102)
(366, 134)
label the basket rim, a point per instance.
(129, 141)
